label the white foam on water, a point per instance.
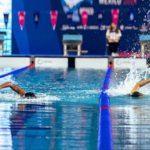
(132, 78)
(14, 97)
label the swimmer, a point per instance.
(135, 91)
(18, 90)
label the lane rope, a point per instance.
(105, 140)
(18, 70)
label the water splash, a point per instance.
(132, 78)
(14, 97)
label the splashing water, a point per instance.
(40, 98)
(132, 78)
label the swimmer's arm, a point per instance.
(14, 87)
(138, 85)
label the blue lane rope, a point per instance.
(105, 140)
(16, 71)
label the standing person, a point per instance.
(113, 36)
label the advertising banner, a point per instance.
(6, 19)
(84, 17)
(69, 18)
(54, 15)
(36, 16)
(100, 17)
(51, 62)
(127, 63)
(21, 15)
(115, 16)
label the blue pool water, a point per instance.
(130, 116)
(65, 115)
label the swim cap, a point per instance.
(29, 95)
(136, 94)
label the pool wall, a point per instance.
(90, 62)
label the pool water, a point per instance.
(65, 115)
(130, 116)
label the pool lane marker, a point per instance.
(105, 140)
(18, 70)
(105, 108)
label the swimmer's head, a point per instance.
(29, 95)
(136, 94)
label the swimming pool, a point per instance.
(65, 115)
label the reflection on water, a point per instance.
(131, 126)
(57, 125)
(5, 131)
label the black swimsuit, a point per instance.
(29, 95)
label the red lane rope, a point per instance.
(110, 66)
(108, 75)
(32, 65)
(105, 86)
(105, 108)
(18, 70)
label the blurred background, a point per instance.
(43, 24)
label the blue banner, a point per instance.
(36, 18)
(100, 17)
(131, 16)
(69, 18)
(6, 19)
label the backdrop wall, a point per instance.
(45, 40)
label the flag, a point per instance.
(54, 15)
(21, 15)
(6, 19)
(100, 17)
(69, 18)
(148, 18)
(36, 18)
(115, 16)
(84, 17)
(131, 16)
